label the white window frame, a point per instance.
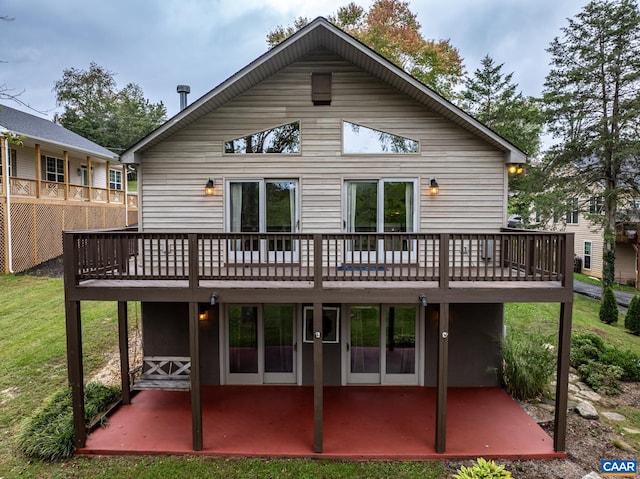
(586, 255)
(13, 162)
(117, 184)
(253, 256)
(391, 255)
(59, 176)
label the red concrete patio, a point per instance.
(360, 422)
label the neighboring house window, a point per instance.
(115, 179)
(13, 160)
(595, 205)
(572, 214)
(281, 139)
(54, 169)
(587, 255)
(385, 205)
(263, 206)
(363, 140)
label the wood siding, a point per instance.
(471, 173)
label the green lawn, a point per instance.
(32, 362)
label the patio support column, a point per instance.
(123, 342)
(318, 377)
(74, 370)
(442, 378)
(562, 379)
(196, 398)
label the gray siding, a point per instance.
(471, 173)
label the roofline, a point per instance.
(512, 153)
(64, 146)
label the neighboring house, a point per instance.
(321, 218)
(55, 180)
(589, 240)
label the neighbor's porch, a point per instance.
(360, 422)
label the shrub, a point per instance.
(609, 307)
(528, 365)
(483, 469)
(632, 319)
(48, 434)
(604, 378)
(602, 366)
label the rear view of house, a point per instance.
(50, 181)
(320, 219)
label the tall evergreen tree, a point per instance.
(593, 103)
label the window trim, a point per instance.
(13, 162)
(111, 183)
(298, 153)
(573, 215)
(585, 255)
(47, 172)
(383, 153)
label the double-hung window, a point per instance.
(381, 206)
(115, 179)
(574, 212)
(13, 159)
(587, 255)
(54, 169)
(263, 206)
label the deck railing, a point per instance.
(317, 258)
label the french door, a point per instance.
(374, 206)
(382, 345)
(260, 344)
(263, 206)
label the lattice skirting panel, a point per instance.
(37, 229)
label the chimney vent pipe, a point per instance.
(183, 91)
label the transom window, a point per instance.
(281, 139)
(364, 140)
(54, 169)
(115, 179)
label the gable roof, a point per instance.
(41, 130)
(321, 33)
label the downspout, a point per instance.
(8, 183)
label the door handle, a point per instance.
(347, 347)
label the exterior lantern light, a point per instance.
(433, 187)
(203, 314)
(514, 168)
(209, 188)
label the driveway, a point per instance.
(593, 291)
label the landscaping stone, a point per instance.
(624, 446)
(587, 410)
(614, 416)
(592, 475)
(631, 430)
(589, 395)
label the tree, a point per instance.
(97, 110)
(608, 306)
(632, 319)
(392, 29)
(591, 95)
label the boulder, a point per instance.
(587, 410)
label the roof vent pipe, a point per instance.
(183, 90)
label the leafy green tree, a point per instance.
(97, 110)
(591, 95)
(390, 28)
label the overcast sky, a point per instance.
(159, 44)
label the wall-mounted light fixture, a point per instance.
(434, 189)
(209, 188)
(515, 168)
(203, 313)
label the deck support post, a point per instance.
(74, 370)
(442, 378)
(318, 378)
(562, 379)
(196, 398)
(123, 343)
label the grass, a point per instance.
(33, 367)
(595, 281)
(132, 185)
